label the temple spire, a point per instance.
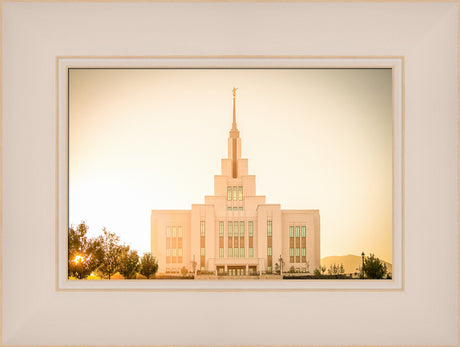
(234, 143)
(234, 132)
(234, 109)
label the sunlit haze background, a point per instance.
(143, 139)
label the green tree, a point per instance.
(112, 251)
(129, 263)
(374, 268)
(84, 255)
(149, 265)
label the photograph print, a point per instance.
(163, 166)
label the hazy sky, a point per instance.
(143, 139)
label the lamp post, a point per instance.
(362, 266)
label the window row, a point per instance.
(175, 242)
(174, 252)
(300, 231)
(236, 252)
(176, 231)
(297, 252)
(235, 208)
(235, 193)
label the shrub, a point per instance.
(374, 268)
(317, 273)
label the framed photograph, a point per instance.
(208, 168)
(235, 234)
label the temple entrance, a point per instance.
(252, 270)
(237, 270)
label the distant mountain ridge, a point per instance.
(350, 262)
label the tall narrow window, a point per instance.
(235, 239)
(179, 255)
(168, 245)
(242, 240)
(269, 246)
(234, 193)
(230, 239)
(229, 193)
(202, 245)
(230, 229)
(297, 244)
(251, 239)
(240, 193)
(304, 244)
(221, 239)
(180, 233)
(291, 244)
(202, 228)
(174, 244)
(221, 228)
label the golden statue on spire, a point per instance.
(234, 91)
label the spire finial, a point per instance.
(234, 92)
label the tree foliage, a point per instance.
(149, 265)
(129, 264)
(336, 269)
(84, 254)
(104, 255)
(112, 253)
(374, 268)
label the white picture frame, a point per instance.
(35, 309)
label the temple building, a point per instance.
(235, 231)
